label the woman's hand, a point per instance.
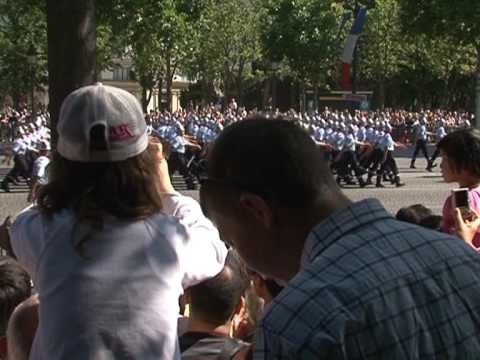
(466, 229)
(164, 183)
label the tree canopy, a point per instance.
(411, 53)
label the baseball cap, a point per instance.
(117, 112)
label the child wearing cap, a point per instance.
(111, 244)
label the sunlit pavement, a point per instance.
(422, 187)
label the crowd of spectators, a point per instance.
(275, 262)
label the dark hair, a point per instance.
(215, 299)
(273, 158)
(15, 287)
(124, 189)
(273, 288)
(433, 222)
(413, 214)
(462, 148)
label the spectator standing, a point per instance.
(359, 284)
(460, 164)
(111, 244)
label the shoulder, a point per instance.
(296, 324)
(447, 207)
(28, 234)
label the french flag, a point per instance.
(347, 56)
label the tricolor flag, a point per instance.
(349, 49)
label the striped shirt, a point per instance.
(372, 287)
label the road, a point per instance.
(421, 187)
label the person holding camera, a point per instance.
(111, 244)
(460, 151)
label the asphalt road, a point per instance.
(421, 187)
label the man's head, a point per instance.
(268, 184)
(15, 287)
(22, 327)
(216, 300)
(413, 214)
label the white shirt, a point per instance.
(19, 146)
(40, 169)
(120, 299)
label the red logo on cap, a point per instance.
(120, 132)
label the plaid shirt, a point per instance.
(372, 287)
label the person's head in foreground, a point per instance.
(413, 214)
(15, 287)
(358, 282)
(267, 186)
(21, 329)
(111, 244)
(213, 305)
(103, 164)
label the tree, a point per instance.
(156, 35)
(303, 33)
(17, 36)
(458, 21)
(383, 39)
(228, 43)
(71, 28)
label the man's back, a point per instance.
(372, 287)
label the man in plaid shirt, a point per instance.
(359, 284)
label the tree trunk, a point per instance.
(71, 32)
(266, 94)
(302, 96)
(159, 94)
(477, 92)
(239, 83)
(293, 94)
(316, 97)
(381, 94)
(144, 100)
(169, 77)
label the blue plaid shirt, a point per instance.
(372, 287)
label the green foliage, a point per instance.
(459, 19)
(228, 42)
(420, 50)
(382, 41)
(22, 25)
(454, 25)
(303, 33)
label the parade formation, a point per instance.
(359, 145)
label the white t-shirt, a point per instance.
(40, 169)
(120, 299)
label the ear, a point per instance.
(259, 285)
(3, 347)
(257, 208)
(187, 297)
(240, 308)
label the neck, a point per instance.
(299, 227)
(197, 324)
